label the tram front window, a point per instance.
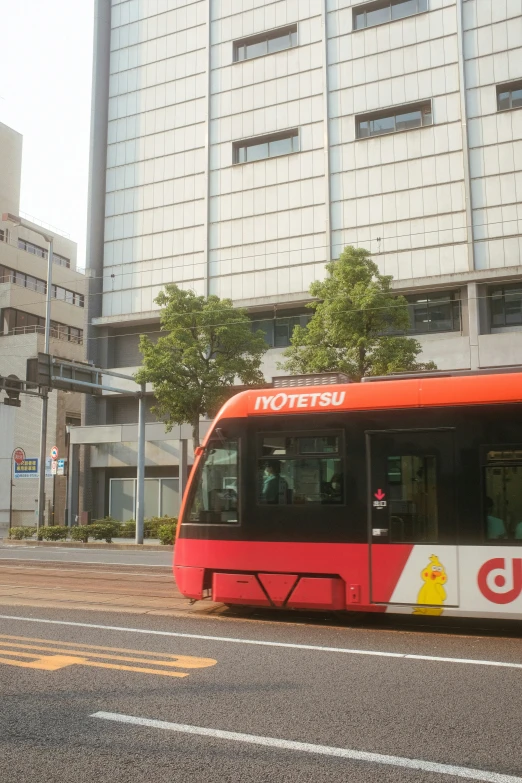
(503, 500)
(215, 499)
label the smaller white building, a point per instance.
(23, 287)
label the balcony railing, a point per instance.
(60, 333)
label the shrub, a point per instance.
(102, 531)
(53, 533)
(18, 533)
(80, 533)
(128, 529)
(152, 525)
(109, 523)
(167, 532)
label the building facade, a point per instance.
(239, 145)
(23, 287)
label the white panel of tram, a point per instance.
(491, 579)
(429, 579)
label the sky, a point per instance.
(45, 94)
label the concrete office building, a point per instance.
(23, 286)
(238, 145)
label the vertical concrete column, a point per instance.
(473, 325)
(327, 167)
(73, 484)
(465, 139)
(207, 147)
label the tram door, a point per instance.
(412, 519)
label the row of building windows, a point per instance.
(434, 312)
(8, 275)
(376, 123)
(429, 313)
(41, 252)
(269, 146)
(366, 15)
(265, 43)
(394, 120)
(383, 11)
(20, 322)
(277, 330)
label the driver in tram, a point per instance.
(274, 489)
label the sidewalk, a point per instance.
(151, 544)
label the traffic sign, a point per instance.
(54, 453)
(19, 456)
(61, 467)
(26, 469)
(54, 467)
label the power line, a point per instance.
(228, 323)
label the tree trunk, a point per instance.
(195, 433)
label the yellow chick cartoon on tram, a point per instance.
(432, 594)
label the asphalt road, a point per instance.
(72, 709)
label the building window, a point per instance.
(434, 312)
(278, 330)
(265, 43)
(506, 305)
(261, 147)
(400, 118)
(371, 14)
(509, 96)
(61, 260)
(4, 235)
(41, 252)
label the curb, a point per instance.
(90, 545)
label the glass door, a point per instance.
(411, 519)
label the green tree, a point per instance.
(352, 329)
(206, 347)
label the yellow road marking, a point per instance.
(59, 657)
(49, 663)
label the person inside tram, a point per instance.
(333, 490)
(496, 526)
(274, 488)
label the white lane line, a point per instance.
(166, 577)
(83, 562)
(323, 750)
(260, 643)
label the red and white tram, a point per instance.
(399, 495)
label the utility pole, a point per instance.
(140, 489)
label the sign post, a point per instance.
(17, 457)
(54, 471)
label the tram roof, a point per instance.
(438, 390)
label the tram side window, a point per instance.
(216, 496)
(300, 470)
(503, 495)
(412, 498)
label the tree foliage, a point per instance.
(207, 346)
(352, 329)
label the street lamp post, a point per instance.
(19, 221)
